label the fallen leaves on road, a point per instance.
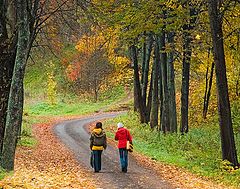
(52, 165)
(49, 165)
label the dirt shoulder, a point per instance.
(49, 165)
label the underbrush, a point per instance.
(2, 173)
(26, 138)
(199, 151)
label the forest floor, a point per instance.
(51, 164)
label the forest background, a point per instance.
(85, 56)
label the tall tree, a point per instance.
(171, 84)
(137, 87)
(155, 101)
(227, 137)
(8, 42)
(187, 53)
(15, 15)
(15, 104)
(145, 66)
(165, 121)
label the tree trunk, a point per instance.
(187, 52)
(137, 86)
(146, 68)
(149, 102)
(224, 110)
(162, 126)
(155, 104)
(208, 92)
(171, 86)
(165, 106)
(6, 70)
(7, 60)
(15, 103)
(143, 57)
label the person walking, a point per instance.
(122, 136)
(98, 142)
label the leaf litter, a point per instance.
(51, 165)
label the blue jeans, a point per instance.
(123, 158)
(97, 159)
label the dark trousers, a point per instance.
(97, 159)
(123, 158)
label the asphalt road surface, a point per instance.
(74, 135)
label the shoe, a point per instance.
(96, 171)
(124, 170)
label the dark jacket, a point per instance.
(98, 139)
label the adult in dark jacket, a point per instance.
(122, 136)
(98, 142)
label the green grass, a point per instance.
(44, 108)
(199, 151)
(2, 173)
(26, 138)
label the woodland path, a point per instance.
(75, 135)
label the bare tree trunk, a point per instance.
(208, 92)
(165, 93)
(7, 59)
(187, 52)
(137, 86)
(15, 103)
(145, 69)
(149, 102)
(224, 110)
(6, 70)
(155, 102)
(171, 86)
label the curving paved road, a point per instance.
(74, 134)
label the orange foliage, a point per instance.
(73, 70)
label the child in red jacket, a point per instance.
(122, 136)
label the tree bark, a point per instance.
(149, 102)
(148, 47)
(155, 102)
(137, 86)
(224, 110)
(171, 86)
(6, 71)
(208, 92)
(7, 59)
(15, 103)
(187, 52)
(165, 93)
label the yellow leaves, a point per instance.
(106, 40)
(51, 84)
(88, 44)
(171, 4)
(50, 165)
(198, 37)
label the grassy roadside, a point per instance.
(198, 152)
